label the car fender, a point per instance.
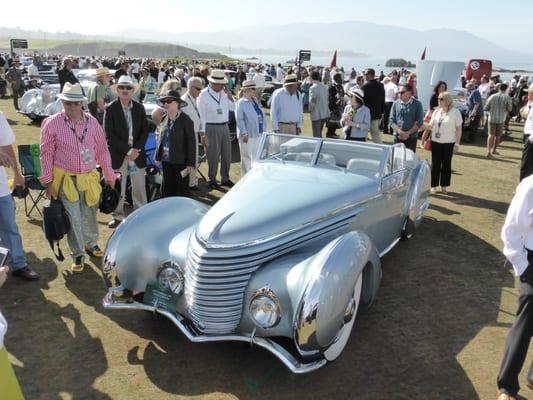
(141, 242)
(417, 199)
(329, 287)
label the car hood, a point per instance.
(274, 198)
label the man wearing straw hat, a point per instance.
(214, 104)
(126, 130)
(97, 94)
(72, 144)
(286, 109)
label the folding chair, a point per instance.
(30, 168)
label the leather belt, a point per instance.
(216, 123)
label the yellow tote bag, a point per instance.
(9, 386)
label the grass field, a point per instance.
(436, 330)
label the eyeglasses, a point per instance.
(125, 87)
(168, 101)
(72, 103)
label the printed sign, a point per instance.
(160, 299)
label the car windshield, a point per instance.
(358, 158)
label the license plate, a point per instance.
(160, 299)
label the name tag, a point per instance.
(219, 111)
(86, 156)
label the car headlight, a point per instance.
(171, 278)
(265, 308)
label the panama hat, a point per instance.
(125, 80)
(104, 71)
(357, 93)
(530, 89)
(249, 84)
(173, 95)
(291, 79)
(218, 76)
(72, 93)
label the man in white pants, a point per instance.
(194, 87)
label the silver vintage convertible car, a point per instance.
(291, 251)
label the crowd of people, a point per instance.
(194, 106)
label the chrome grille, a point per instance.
(216, 279)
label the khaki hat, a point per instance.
(72, 93)
(249, 84)
(291, 79)
(530, 89)
(102, 72)
(218, 76)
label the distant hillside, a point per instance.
(76, 44)
(157, 50)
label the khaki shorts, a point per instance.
(495, 129)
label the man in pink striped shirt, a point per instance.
(72, 143)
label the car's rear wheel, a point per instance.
(349, 320)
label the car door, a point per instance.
(394, 185)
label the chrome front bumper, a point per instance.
(112, 302)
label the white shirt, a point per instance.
(391, 92)
(528, 126)
(444, 125)
(280, 74)
(7, 137)
(286, 108)
(214, 107)
(33, 70)
(259, 80)
(161, 77)
(517, 231)
(135, 68)
(191, 109)
(3, 330)
(484, 90)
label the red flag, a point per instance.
(333, 60)
(423, 56)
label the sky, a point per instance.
(504, 23)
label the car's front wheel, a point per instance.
(349, 320)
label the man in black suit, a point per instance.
(126, 130)
(374, 97)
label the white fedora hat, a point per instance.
(72, 93)
(218, 76)
(125, 80)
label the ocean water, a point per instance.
(360, 63)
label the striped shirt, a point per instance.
(62, 146)
(498, 105)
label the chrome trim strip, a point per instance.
(110, 302)
(390, 247)
(354, 208)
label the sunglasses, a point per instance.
(198, 88)
(402, 92)
(440, 99)
(125, 87)
(72, 103)
(167, 101)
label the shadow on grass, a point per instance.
(471, 201)
(407, 342)
(494, 158)
(52, 343)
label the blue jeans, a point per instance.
(9, 234)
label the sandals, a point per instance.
(94, 251)
(78, 265)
